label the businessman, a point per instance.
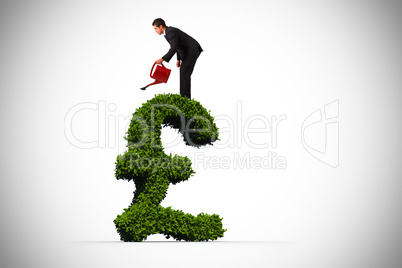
(187, 49)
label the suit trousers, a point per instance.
(186, 70)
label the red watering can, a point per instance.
(161, 75)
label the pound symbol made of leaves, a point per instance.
(152, 171)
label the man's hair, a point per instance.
(158, 22)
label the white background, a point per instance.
(260, 59)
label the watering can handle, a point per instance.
(153, 68)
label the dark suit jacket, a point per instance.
(180, 43)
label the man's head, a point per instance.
(159, 26)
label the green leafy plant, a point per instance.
(153, 171)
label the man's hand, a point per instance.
(178, 64)
(159, 61)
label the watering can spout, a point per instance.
(154, 83)
(161, 75)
